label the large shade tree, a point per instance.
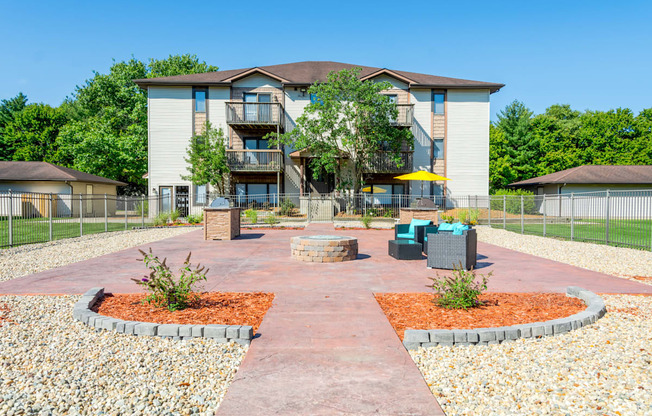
(108, 132)
(206, 158)
(348, 119)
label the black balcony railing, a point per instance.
(382, 162)
(405, 116)
(268, 160)
(254, 114)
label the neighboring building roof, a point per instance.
(307, 72)
(43, 171)
(595, 174)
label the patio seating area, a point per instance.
(325, 333)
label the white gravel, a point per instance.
(603, 369)
(617, 261)
(23, 260)
(50, 364)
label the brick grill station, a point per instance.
(324, 248)
(221, 223)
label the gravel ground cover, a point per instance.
(616, 261)
(602, 369)
(20, 261)
(50, 364)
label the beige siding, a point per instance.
(467, 150)
(399, 88)
(218, 97)
(295, 102)
(421, 129)
(170, 129)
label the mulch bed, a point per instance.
(417, 310)
(223, 308)
(4, 312)
(262, 227)
(643, 278)
(362, 228)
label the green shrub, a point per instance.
(167, 290)
(195, 219)
(252, 215)
(474, 216)
(469, 216)
(161, 219)
(459, 291)
(513, 201)
(142, 206)
(464, 216)
(271, 219)
(366, 221)
(448, 218)
(174, 215)
(287, 208)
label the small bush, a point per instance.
(195, 219)
(161, 219)
(287, 208)
(252, 215)
(366, 221)
(464, 216)
(271, 219)
(459, 291)
(513, 201)
(448, 218)
(174, 215)
(474, 216)
(167, 290)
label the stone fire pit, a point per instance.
(324, 248)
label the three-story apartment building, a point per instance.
(449, 118)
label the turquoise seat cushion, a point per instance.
(416, 222)
(445, 227)
(458, 228)
(405, 235)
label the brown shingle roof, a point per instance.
(307, 72)
(596, 174)
(43, 171)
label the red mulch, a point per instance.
(360, 228)
(417, 310)
(222, 308)
(272, 228)
(4, 311)
(643, 278)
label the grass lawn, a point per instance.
(37, 230)
(626, 233)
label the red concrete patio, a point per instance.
(325, 347)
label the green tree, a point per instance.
(207, 159)
(112, 110)
(557, 131)
(349, 120)
(8, 110)
(32, 133)
(501, 172)
(521, 149)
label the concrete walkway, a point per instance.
(325, 347)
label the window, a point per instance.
(438, 100)
(393, 98)
(258, 109)
(437, 190)
(438, 152)
(255, 192)
(200, 194)
(314, 99)
(200, 99)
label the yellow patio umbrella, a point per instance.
(421, 175)
(376, 189)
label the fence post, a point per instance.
(125, 200)
(309, 206)
(142, 211)
(504, 212)
(606, 236)
(106, 214)
(544, 214)
(81, 215)
(50, 216)
(522, 215)
(572, 215)
(11, 219)
(332, 206)
(488, 211)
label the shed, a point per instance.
(29, 180)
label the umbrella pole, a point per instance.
(421, 189)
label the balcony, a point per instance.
(405, 117)
(268, 160)
(254, 115)
(383, 163)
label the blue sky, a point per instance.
(590, 54)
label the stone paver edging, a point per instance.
(241, 334)
(595, 310)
